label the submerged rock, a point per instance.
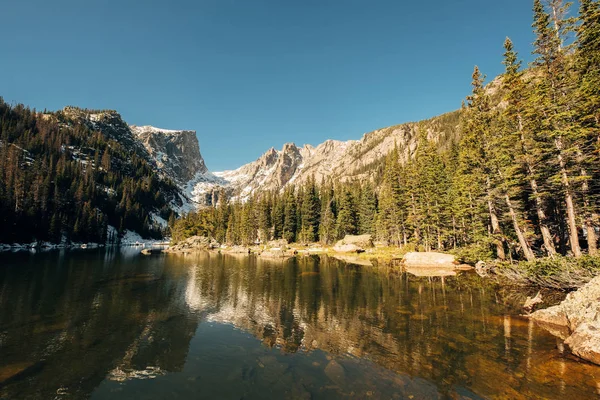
(428, 271)
(579, 313)
(336, 373)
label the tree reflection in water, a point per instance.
(114, 324)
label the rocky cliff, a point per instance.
(176, 153)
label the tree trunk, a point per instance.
(588, 222)
(454, 232)
(522, 241)
(539, 204)
(496, 231)
(417, 228)
(571, 217)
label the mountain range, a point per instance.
(176, 155)
(73, 165)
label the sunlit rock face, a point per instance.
(177, 153)
(579, 316)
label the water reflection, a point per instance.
(116, 324)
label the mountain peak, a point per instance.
(154, 130)
(177, 153)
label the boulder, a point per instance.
(585, 342)
(353, 244)
(428, 259)
(347, 248)
(361, 241)
(193, 243)
(276, 253)
(579, 313)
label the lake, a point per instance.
(114, 324)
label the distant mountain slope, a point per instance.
(344, 161)
(73, 173)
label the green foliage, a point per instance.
(472, 253)
(513, 174)
(562, 273)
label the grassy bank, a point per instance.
(562, 273)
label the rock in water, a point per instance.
(428, 259)
(585, 342)
(580, 314)
(530, 303)
(193, 243)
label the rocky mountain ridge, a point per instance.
(341, 160)
(175, 154)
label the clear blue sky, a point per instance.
(251, 74)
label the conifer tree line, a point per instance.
(60, 180)
(522, 182)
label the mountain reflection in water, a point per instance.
(114, 324)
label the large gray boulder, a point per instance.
(362, 241)
(579, 313)
(353, 244)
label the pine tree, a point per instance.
(525, 150)
(327, 226)
(587, 65)
(367, 210)
(264, 218)
(476, 169)
(554, 104)
(391, 203)
(347, 218)
(278, 218)
(311, 210)
(290, 216)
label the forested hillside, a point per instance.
(521, 181)
(59, 179)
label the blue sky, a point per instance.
(251, 74)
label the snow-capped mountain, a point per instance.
(341, 160)
(176, 155)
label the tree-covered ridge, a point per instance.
(59, 178)
(521, 180)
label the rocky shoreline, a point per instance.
(577, 321)
(354, 249)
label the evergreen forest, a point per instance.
(61, 181)
(522, 182)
